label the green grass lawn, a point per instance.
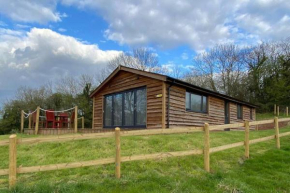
(268, 169)
(264, 116)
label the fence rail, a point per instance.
(206, 151)
(174, 130)
(74, 137)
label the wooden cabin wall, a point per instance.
(178, 116)
(246, 113)
(233, 113)
(254, 114)
(125, 81)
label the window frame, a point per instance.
(134, 90)
(251, 113)
(241, 116)
(201, 105)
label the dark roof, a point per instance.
(172, 81)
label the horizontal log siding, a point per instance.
(124, 81)
(178, 116)
(254, 114)
(246, 113)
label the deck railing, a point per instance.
(12, 171)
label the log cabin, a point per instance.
(135, 99)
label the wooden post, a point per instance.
(206, 147)
(278, 111)
(83, 122)
(37, 120)
(93, 116)
(163, 105)
(76, 119)
(118, 153)
(287, 111)
(247, 138)
(22, 121)
(12, 160)
(275, 108)
(277, 132)
(29, 121)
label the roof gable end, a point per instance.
(127, 69)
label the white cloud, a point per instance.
(170, 23)
(197, 23)
(61, 29)
(3, 24)
(22, 26)
(43, 55)
(266, 19)
(31, 11)
(184, 56)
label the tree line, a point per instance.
(259, 74)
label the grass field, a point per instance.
(266, 171)
(264, 116)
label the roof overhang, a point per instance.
(127, 69)
(170, 80)
(174, 81)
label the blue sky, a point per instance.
(41, 41)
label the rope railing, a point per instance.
(28, 114)
(45, 110)
(38, 109)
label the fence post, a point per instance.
(37, 120)
(287, 111)
(257, 127)
(247, 138)
(76, 119)
(12, 160)
(83, 122)
(277, 132)
(118, 153)
(206, 147)
(22, 121)
(278, 111)
(29, 121)
(275, 108)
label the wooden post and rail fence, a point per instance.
(36, 128)
(207, 150)
(277, 110)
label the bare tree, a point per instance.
(68, 85)
(221, 68)
(139, 58)
(175, 71)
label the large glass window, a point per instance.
(126, 109)
(129, 108)
(196, 102)
(117, 101)
(239, 111)
(141, 107)
(108, 111)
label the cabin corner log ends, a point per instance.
(207, 150)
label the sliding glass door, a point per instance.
(126, 109)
